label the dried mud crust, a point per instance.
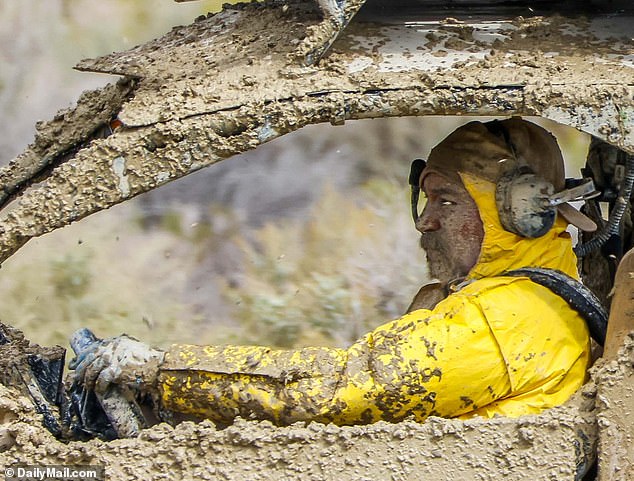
(66, 133)
(232, 81)
(554, 445)
(447, 449)
(615, 417)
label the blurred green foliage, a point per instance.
(332, 276)
(86, 277)
(322, 279)
(70, 275)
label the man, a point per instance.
(495, 344)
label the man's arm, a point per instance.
(422, 364)
(499, 346)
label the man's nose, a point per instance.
(427, 222)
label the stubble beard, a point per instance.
(440, 257)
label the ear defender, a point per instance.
(524, 204)
(523, 198)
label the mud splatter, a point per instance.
(554, 445)
(233, 80)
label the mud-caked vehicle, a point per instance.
(254, 72)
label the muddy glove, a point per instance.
(122, 361)
(112, 377)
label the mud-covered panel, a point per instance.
(253, 54)
(240, 55)
(615, 405)
(516, 46)
(556, 445)
(234, 80)
(610, 117)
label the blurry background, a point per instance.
(306, 240)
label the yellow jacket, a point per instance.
(500, 345)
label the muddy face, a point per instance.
(451, 228)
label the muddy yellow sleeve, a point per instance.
(416, 366)
(473, 354)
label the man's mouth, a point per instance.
(439, 257)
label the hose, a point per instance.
(616, 216)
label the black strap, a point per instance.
(578, 297)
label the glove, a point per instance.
(122, 361)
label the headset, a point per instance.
(526, 203)
(521, 196)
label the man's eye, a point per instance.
(447, 202)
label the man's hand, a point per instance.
(121, 361)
